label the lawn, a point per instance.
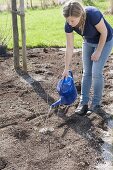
(45, 28)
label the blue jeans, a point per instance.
(93, 72)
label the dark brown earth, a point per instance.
(75, 143)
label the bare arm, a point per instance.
(101, 27)
(69, 52)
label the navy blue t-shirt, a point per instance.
(90, 33)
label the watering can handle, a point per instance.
(70, 73)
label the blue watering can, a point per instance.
(67, 91)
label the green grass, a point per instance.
(103, 5)
(45, 28)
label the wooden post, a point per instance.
(23, 32)
(15, 34)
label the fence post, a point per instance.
(15, 34)
(23, 32)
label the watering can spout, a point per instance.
(57, 103)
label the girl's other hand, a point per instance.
(95, 56)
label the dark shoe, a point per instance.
(82, 109)
(96, 109)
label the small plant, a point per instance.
(3, 46)
(5, 32)
(4, 40)
(3, 50)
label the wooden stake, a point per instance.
(23, 32)
(15, 35)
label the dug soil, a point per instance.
(74, 142)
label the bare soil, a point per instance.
(75, 143)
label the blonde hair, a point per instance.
(75, 9)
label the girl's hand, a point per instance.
(95, 56)
(65, 73)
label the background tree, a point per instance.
(111, 6)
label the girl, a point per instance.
(97, 44)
